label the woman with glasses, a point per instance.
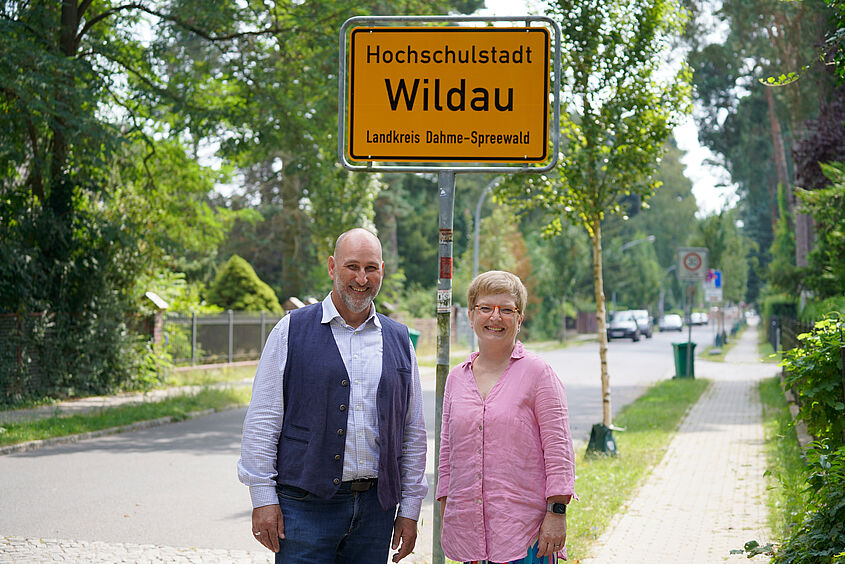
(507, 466)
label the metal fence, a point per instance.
(231, 336)
(784, 331)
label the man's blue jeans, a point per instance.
(350, 527)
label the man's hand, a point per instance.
(268, 526)
(404, 529)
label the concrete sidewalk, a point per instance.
(707, 496)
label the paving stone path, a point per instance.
(707, 496)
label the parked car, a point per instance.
(699, 318)
(644, 322)
(623, 326)
(671, 322)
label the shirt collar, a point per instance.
(517, 352)
(330, 313)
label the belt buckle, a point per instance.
(362, 485)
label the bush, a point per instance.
(780, 305)
(820, 538)
(818, 309)
(813, 371)
(238, 287)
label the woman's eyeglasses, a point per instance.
(504, 311)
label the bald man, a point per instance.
(334, 437)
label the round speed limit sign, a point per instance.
(692, 263)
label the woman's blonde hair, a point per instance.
(497, 282)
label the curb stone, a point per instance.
(68, 439)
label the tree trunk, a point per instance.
(293, 266)
(598, 282)
(779, 152)
(804, 230)
(387, 225)
(563, 319)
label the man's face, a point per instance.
(357, 271)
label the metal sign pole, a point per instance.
(446, 188)
(691, 292)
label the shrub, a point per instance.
(820, 538)
(814, 372)
(818, 309)
(238, 287)
(780, 305)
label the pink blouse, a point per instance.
(501, 457)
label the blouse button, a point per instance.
(479, 427)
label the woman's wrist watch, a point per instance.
(559, 508)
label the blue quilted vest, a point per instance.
(316, 396)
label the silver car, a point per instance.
(644, 322)
(623, 326)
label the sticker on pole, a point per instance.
(444, 301)
(448, 94)
(692, 263)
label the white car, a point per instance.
(671, 322)
(699, 318)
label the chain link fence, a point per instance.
(231, 336)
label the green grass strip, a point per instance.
(179, 407)
(785, 466)
(604, 483)
(200, 376)
(725, 349)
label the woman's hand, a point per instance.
(552, 534)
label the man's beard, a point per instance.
(357, 301)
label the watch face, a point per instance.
(559, 508)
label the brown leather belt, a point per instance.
(361, 485)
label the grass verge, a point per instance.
(785, 467)
(767, 353)
(205, 376)
(605, 484)
(178, 407)
(726, 348)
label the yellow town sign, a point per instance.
(448, 94)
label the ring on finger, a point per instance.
(257, 533)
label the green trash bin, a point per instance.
(415, 336)
(680, 350)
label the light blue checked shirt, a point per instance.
(361, 350)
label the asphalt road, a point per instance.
(177, 485)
